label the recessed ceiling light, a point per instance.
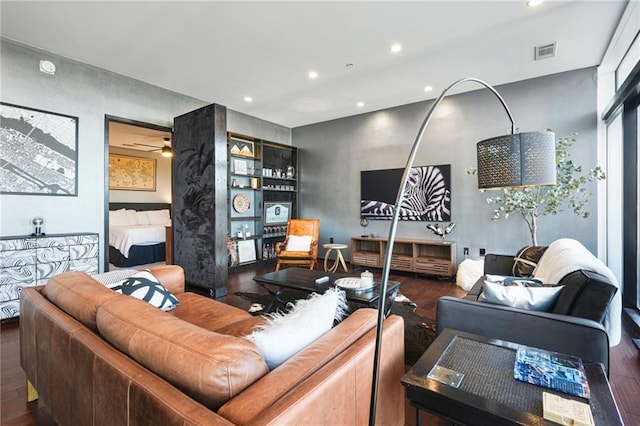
(248, 99)
(360, 104)
(534, 3)
(396, 47)
(313, 75)
(428, 88)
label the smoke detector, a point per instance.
(545, 51)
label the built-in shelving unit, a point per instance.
(263, 189)
(420, 256)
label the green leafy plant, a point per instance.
(534, 202)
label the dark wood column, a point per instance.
(199, 195)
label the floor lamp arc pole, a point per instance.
(394, 225)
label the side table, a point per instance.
(339, 260)
(488, 393)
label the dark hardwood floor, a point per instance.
(14, 410)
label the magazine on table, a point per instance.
(564, 373)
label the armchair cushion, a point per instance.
(299, 243)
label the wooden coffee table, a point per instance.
(488, 393)
(304, 280)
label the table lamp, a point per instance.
(517, 159)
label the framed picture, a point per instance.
(241, 147)
(38, 152)
(246, 251)
(277, 213)
(132, 173)
(428, 198)
(240, 166)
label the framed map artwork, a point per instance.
(132, 173)
(38, 152)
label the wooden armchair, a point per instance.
(300, 247)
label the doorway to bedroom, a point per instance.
(137, 192)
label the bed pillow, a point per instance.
(299, 243)
(144, 286)
(118, 218)
(158, 217)
(533, 298)
(285, 334)
(142, 218)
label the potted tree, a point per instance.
(531, 203)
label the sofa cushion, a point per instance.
(285, 334)
(78, 295)
(586, 294)
(209, 367)
(207, 313)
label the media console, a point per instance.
(421, 256)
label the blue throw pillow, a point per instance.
(144, 286)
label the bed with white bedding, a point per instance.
(137, 237)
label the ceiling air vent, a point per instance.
(545, 51)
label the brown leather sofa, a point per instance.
(97, 357)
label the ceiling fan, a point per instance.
(165, 150)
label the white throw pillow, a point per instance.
(158, 217)
(299, 243)
(285, 334)
(516, 296)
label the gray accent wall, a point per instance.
(90, 93)
(332, 154)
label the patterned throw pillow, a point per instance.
(144, 286)
(526, 260)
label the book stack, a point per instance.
(562, 373)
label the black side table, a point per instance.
(488, 393)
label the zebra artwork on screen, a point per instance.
(427, 195)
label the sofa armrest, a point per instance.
(498, 264)
(580, 337)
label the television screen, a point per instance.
(427, 196)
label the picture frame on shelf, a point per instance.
(277, 213)
(40, 151)
(246, 251)
(240, 166)
(242, 147)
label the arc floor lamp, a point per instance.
(517, 159)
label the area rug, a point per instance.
(419, 332)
